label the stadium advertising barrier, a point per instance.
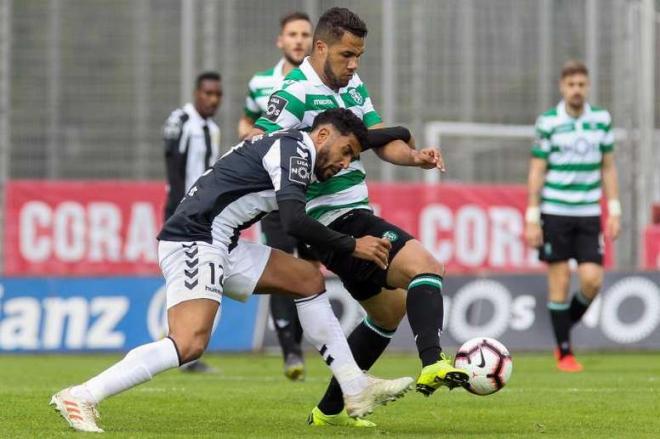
(103, 314)
(512, 309)
(119, 313)
(109, 227)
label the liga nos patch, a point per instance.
(275, 106)
(299, 170)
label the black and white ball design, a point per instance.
(487, 361)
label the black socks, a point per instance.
(424, 306)
(367, 343)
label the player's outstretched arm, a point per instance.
(396, 145)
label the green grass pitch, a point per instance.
(618, 396)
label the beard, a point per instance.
(335, 83)
(576, 102)
(293, 61)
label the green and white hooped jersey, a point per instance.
(302, 97)
(573, 149)
(260, 87)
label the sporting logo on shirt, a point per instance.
(299, 170)
(275, 106)
(357, 97)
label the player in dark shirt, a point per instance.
(203, 259)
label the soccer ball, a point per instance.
(487, 361)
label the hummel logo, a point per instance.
(483, 360)
(213, 289)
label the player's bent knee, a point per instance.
(591, 287)
(190, 348)
(428, 265)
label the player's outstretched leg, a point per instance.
(416, 268)
(190, 326)
(285, 274)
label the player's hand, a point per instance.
(429, 158)
(253, 133)
(613, 227)
(533, 235)
(376, 250)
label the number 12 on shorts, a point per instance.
(216, 269)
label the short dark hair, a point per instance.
(345, 121)
(206, 76)
(573, 67)
(293, 16)
(335, 21)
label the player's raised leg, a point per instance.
(416, 269)
(285, 274)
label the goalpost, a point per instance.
(435, 131)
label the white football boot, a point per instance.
(377, 392)
(81, 415)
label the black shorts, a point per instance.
(276, 237)
(571, 237)
(363, 279)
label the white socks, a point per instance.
(138, 366)
(320, 326)
(322, 329)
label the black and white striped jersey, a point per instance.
(242, 187)
(192, 145)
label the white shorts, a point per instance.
(198, 270)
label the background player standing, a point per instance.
(572, 159)
(295, 42)
(192, 144)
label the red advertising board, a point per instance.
(109, 227)
(652, 247)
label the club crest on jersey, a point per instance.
(357, 97)
(390, 236)
(275, 106)
(299, 170)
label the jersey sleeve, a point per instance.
(542, 144)
(286, 109)
(607, 143)
(371, 116)
(289, 165)
(251, 108)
